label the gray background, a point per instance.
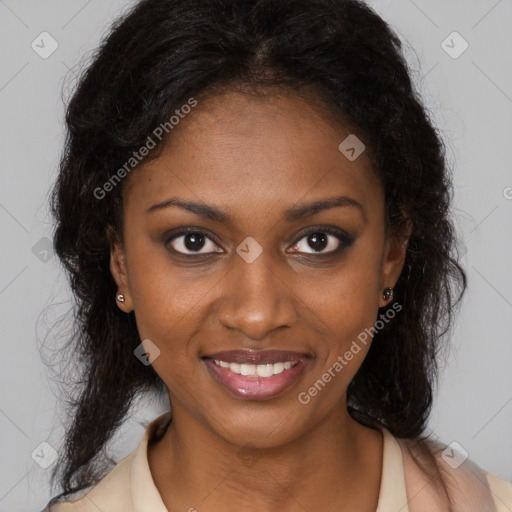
(470, 98)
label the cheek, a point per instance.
(347, 297)
(347, 300)
(166, 304)
(168, 312)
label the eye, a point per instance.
(322, 241)
(193, 242)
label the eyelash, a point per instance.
(344, 238)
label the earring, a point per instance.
(387, 293)
(120, 297)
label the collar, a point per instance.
(145, 495)
(392, 494)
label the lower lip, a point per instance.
(254, 387)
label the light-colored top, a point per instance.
(129, 487)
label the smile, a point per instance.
(251, 381)
(259, 370)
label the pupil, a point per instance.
(194, 241)
(317, 241)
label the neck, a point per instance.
(338, 461)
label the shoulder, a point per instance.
(112, 492)
(128, 486)
(501, 490)
(434, 470)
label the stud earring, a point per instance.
(120, 297)
(387, 293)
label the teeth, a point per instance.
(247, 369)
(256, 370)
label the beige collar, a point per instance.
(145, 495)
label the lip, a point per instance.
(256, 387)
(248, 356)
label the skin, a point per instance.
(254, 158)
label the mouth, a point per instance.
(256, 374)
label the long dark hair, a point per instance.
(153, 60)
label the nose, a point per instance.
(256, 299)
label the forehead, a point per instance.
(249, 152)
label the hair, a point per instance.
(339, 53)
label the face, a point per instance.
(223, 252)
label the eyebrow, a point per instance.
(292, 214)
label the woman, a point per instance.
(254, 211)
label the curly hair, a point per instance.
(339, 53)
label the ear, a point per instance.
(394, 257)
(120, 273)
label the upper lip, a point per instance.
(248, 356)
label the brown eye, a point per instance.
(321, 241)
(193, 242)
